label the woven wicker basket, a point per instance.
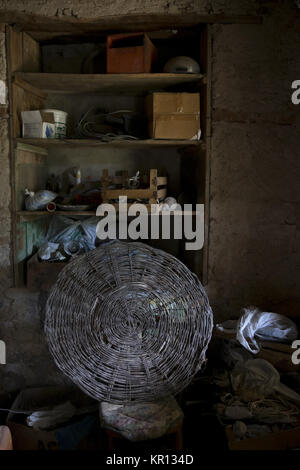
(128, 323)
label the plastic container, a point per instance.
(60, 119)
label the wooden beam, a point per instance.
(31, 54)
(32, 22)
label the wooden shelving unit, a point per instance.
(29, 88)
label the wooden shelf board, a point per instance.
(27, 215)
(53, 143)
(104, 83)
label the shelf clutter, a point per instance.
(110, 76)
(167, 116)
(134, 65)
(156, 190)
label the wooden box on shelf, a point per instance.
(157, 189)
(130, 53)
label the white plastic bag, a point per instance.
(49, 418)
(50, 250)
(255, 324)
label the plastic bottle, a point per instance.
(78, 176)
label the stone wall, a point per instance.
(254, 231)
(28, 361)
(254, 227)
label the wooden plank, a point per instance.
(22, 172)
(130, 193)
(133, 22)
(270, 345)
(280, 347)
(30, 158)
(23, 100)
(106, 83)
(100, 36)
(30, 148)
(153, 186)
(50, 143)
(15, 51)
(150, 193)
(11, 64)
(4, 111)
(280, 360)
(278, 354)
(31, 54)
(161, 180)
(208, 105)
(27, 87)
(27, 215)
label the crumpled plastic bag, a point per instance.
(39, 200)
(256, 379)
(49, 418)
(64, 230)
(255, 324)
(49, 251)
(267, 326)
(141, 421)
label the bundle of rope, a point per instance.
(92, 125)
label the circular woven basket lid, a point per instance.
(128, 323)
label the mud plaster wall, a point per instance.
(254, 228)
(254, 207)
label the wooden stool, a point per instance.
(176, 430)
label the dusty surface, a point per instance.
(5, 188)
(94, 9)
(254, 228)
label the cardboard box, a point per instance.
(28, 438)
(174, 115)
(38, 125)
